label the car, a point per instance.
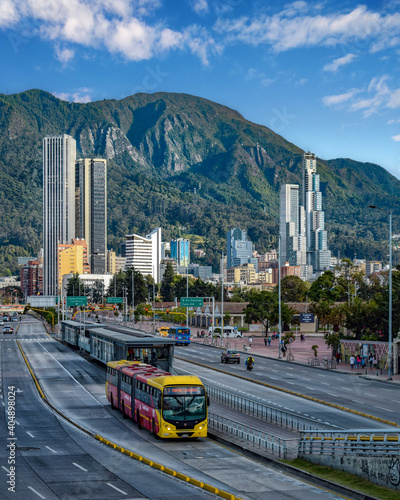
(230, 356)
(8, 329)
(1, 322)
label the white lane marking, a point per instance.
(330, 394)
(311, 388)
(70, 374)
(51, 449)
(36, 492)
(359, 402)
(30, 434)
(346, 389)
(79, 466)
(324, 383)
(291, 383)
(386, 409)
(115, 488)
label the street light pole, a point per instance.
(279, 288)
(390, 289)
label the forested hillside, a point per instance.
(186, 164)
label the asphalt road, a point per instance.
(54, 460)
(351, 391)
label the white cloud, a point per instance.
(339, 98)
(200, 6)
(83, 96)
(64, 55)
(295, 28)
(396, 138)
(119, 27)
(341, 61)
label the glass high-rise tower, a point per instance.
(91, 210)
(318, 254)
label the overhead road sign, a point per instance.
(192, 302)
(115, 300)
(76, 301)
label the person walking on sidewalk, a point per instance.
(352, 361)
(269, 341)
(265, 341)
(250, 341)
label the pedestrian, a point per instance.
(269, 341)
(375, 362)
(265, 341)
(358, 361)
(352, 361)
(337, 356)
(250, 341)
(363, 362)
(284, 350)
(371, 361)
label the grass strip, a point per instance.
(345, 479)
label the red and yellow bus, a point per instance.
(169, 406)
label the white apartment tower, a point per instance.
(59, 154)
(318, 254)
(144, 253)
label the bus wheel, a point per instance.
(153, 429)
(138, 420)
(112, 403)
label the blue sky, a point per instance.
(324, 74)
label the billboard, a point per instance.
(307, 318)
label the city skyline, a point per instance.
(324, 76)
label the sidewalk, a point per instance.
(303, 354)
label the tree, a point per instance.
(75, 286)
(322, 310)
(332, 340)
(263, 306)
(293, 289)
(167, 284)
(324, 288)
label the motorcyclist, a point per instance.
(249, 362)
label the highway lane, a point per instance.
(351, 391)
(76, 387)
(53, 459)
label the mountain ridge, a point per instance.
(179, 161)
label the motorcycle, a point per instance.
(249, 366)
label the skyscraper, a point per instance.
(239, 250)
(180, 251)
(91, 210)
(318, 254)
(292, 228)
(59, 154)
(144, 254)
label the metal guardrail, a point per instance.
(283, 448)
(354, 442)
(268, 413)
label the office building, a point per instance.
(239, 250)
(144, 253)
(91, 209)
(318, 254)
(59, 154)
(180, 251)
(32, 278)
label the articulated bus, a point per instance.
(180, 334)
(169, 406)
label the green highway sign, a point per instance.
(76, 301)
(192, 302)
(115, 300)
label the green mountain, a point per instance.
(189, 165)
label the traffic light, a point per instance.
(167, 311)
(146, 310)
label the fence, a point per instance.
(268, 413)
(354, 442)
(262, 441)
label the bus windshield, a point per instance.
(184, 403)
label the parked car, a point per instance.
(8, 329)
(230, 356)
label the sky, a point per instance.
(323, 74)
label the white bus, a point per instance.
(229, 331)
